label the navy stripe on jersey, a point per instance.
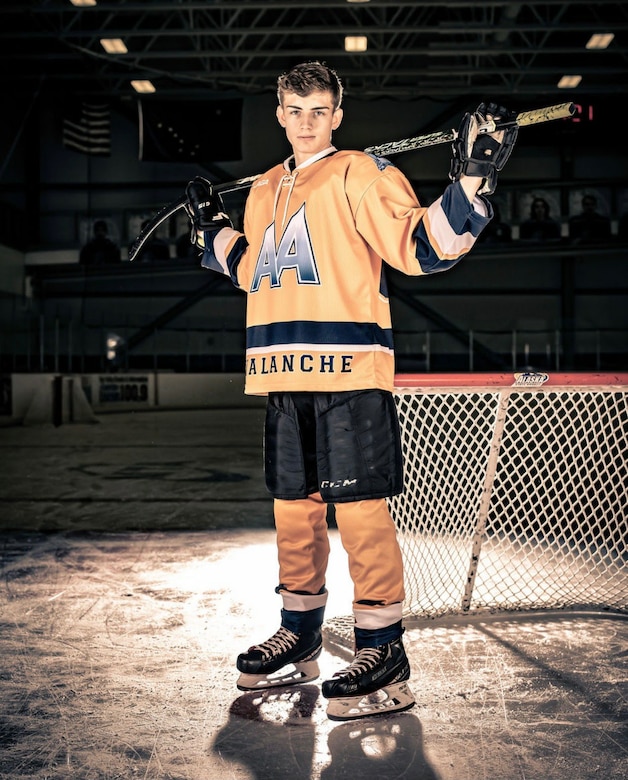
(209, 259)
(462, 220)
(311, 333)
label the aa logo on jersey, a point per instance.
(294, 251)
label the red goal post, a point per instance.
(515, 492)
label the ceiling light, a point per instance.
(600, 40)
(568, 82)
(81, 3)
(356, 42)
(140, 85)
(357, 1)
(113, 45)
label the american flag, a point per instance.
(87, 129)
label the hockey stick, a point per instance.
(525, 118)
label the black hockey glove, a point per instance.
(482, 153)
(203, 211)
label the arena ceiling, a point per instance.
(186, 48)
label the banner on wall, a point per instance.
(190, 131)
(119, 392)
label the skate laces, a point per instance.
(365, 660)
(280, 642)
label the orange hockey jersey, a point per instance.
(311, 260)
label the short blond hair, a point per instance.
(310, 77)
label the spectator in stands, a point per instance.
(156, 250)
(540, 227)
(589, 226)
(100, 250)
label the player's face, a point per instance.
(309, 122)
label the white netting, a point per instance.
(514, 499)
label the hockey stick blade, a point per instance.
(526, 118)
(171, 208)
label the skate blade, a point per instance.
(293, 674)
(392, 698)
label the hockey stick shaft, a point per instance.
(525, 118)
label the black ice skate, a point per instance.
(375, 683)
(284, 659)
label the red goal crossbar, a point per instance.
(515, 379)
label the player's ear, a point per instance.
(280, 116)
(337, 119)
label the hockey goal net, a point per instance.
(515, 492)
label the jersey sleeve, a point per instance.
(415, 239)
(223, 251)
(449, 229)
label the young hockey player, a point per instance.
(317, 230)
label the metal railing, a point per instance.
(36, 343)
